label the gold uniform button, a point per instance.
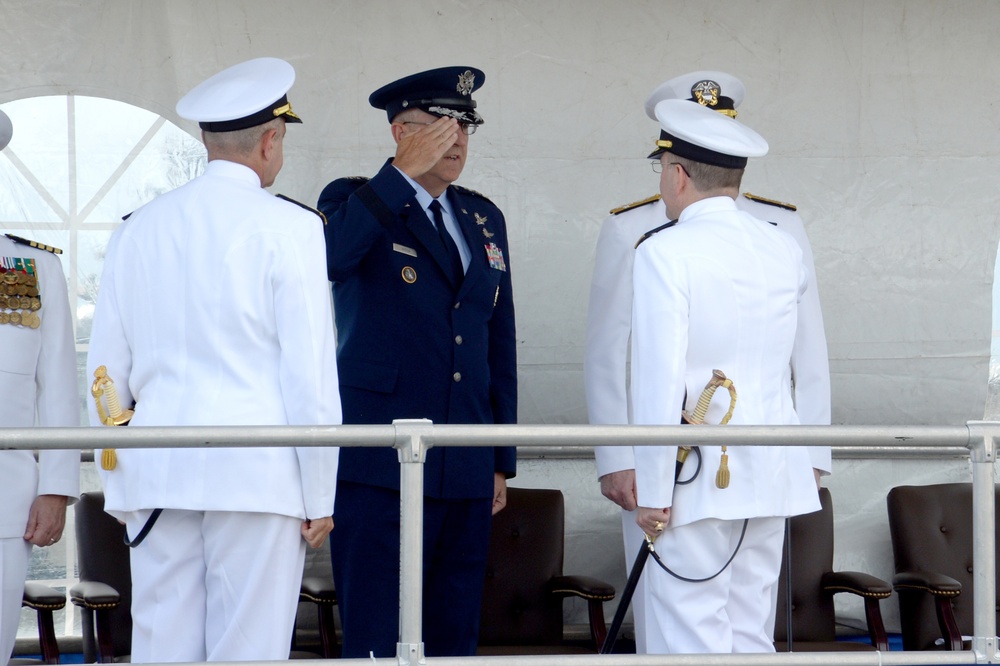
(458, 339)
(457, 376)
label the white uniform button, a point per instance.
(457, 376)
(458, 339)
(458, 305)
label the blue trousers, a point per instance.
(364, 548)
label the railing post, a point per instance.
(412, 441)
(982, 454)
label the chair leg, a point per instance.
(876, 628)
(47, 637)
(328, 632)
(949, 626)
(598, 628)
(105, 646)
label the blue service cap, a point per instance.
(717, 90)
(245, 95)
(6, 130)
(696, 133)
(446, 91)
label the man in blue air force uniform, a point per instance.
(425, 322)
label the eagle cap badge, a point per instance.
(466, 81)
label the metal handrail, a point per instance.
(412, 439)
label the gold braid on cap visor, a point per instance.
(284, 110)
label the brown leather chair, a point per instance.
(931, 531)
(104, 592)
(522, 610)
(45, 601)
(814, 584)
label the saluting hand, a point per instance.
(421, 146)
(317, 530)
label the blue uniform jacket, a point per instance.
(410, 343)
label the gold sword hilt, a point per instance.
(114, 415)
(719, 379)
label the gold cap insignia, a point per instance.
(706, 92)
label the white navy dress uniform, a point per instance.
(720, 289)
(38, 385)
(214, 309)
(609, 318)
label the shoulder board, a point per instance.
(466, 190)
(770, 202)
(652, 232)
(635, 204)
(302, 205)
(36, 245)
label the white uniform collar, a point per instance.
(706, 206)
(234, 170)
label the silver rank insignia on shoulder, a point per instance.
(706, 92)
(466, 81)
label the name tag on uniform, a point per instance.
(495, 256)
(402, 249)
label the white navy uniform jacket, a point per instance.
(609, 327)
(38, 385)
(719, 290)
(214, 309)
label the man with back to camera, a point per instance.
(715, 289)
(609, 319)
(38, 385)
(213, 310)
(425, 322)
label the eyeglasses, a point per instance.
(465, 128)
(658, 166)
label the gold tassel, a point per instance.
(722, 476)
(109, 459)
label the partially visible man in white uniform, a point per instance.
(717, 289)
(609, 320)
(214, 309)
(38, 385)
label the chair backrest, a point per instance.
(813, 617)
(526, 551)
(931, 530)
(103, 557)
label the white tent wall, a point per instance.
(882, 117)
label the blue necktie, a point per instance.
(457, 271)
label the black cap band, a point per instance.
(259, 118)
(690, 151)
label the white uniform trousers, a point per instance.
(215, 586)
(727, 614)
(633, 537)
(14, 555)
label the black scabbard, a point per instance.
(626, 598)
